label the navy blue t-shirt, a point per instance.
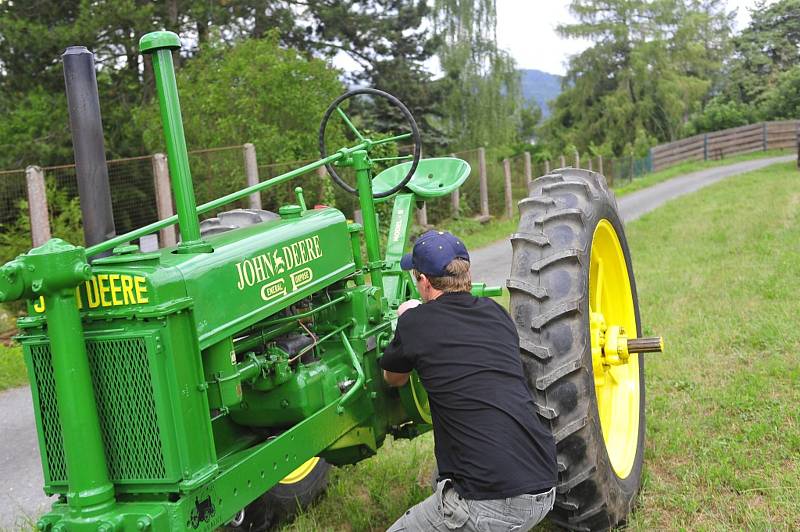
(488, 437)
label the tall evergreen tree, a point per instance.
(652, 63)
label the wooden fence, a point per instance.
(720, 144)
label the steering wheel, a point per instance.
(414, 135)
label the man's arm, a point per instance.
(395, 379)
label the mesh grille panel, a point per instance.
(48, 411)
(126, 407)
(125, 404)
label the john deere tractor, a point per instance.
(213, 383)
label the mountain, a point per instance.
(540, 86)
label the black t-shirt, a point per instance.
(488, 438)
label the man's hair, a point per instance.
(459, 279)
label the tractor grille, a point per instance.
(126, 407)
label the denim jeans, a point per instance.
(446, 510)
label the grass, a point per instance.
(12, 367)
(718, 276)
(688, 167)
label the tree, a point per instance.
(251, 91)
(481, 85)
(652, 64)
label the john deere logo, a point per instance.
(265, 267)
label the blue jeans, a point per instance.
(446, 510)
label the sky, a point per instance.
(527, 29)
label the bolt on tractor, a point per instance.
(213, 383)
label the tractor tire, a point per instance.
(571, 241)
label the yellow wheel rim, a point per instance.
(616, 386)
(301, 472)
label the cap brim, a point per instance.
(407, 263)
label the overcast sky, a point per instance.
(527, 29)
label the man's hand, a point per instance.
(411, 303)
(395, 379)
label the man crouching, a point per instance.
(496, 461)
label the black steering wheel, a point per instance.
(334, 107)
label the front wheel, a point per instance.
(573, 300)
(282, 502)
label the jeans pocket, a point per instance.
(455, 510)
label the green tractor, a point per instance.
(213, 383)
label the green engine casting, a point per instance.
(173, 388)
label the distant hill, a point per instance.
(540, 86)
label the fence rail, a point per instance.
(720, 144)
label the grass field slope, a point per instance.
(719, 278)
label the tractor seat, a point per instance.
(433, 177)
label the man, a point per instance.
(497, 463)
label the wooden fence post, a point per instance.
(484, 183)
(528, 173)
(163, 198)
(422, 215)
(600, 164)
(577, 160)
(37, 205)
(589, 161)
(455, 200)
(509, 200)
(547, 167)
(251, 171)
(764, 135)
(563, 161)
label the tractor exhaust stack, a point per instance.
(87, 141)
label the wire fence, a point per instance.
(220, 171)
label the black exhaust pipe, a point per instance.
(87, 141)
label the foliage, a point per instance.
(651, 65)
(783, 101)
(481, 85)
(719, 114)
(65, 223)
(252, 91)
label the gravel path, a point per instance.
(21, 496)
(492, 263)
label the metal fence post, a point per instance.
(251, 171)
(163, 198)
(484, 184)
(528, 173)
(37, 205)
(509, 200)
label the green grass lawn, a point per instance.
(12, 367)
(718, 276)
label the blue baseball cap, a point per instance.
(432, 252)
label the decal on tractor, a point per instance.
(263, 267)
(107, 290)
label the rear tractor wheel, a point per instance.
(573, 300)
